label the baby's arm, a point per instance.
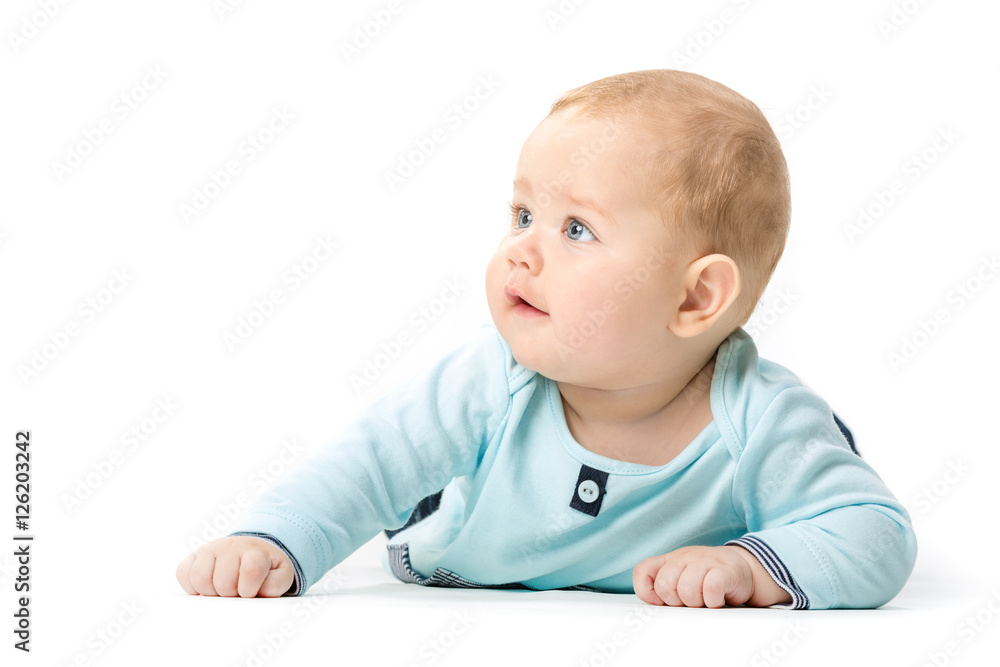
(406, 445)
(230, 566)
(821, 524)
(818, 517)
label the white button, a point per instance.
(588, 490)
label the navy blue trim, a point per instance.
(777, 569)
(423, 509)
(847, 433)
(297, 586)
(399, 563)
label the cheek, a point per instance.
(496, 277)
(494, 269)
(589, 292)
(600, 319)
(591, 317)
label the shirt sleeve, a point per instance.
(405, 446)
(819, 519)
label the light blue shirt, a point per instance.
(526, 506)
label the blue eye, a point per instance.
(523, 219)
(577, 231)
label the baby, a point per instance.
(615, 430)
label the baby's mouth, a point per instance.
(521, 305)
(524, 308)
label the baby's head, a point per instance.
(650, 210)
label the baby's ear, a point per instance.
(711, 285)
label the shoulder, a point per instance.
(484, 360)
(752, 396)
(470, 388)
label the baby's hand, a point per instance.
(696, 577)
(231, 566)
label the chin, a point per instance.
(529, 358)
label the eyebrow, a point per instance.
(582, 202)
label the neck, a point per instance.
(642, 404)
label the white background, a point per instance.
(878, 97)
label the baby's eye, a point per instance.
(523, 218)
(577, 231)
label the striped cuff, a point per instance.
(763, 553)
(296, 588)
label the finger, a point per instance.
(227, 573)
(183, 574)
(254, 568)
(643, 576)
(665, 584)
(690, 583)
(718, 584)
(740, 586)
(201, 574)
(279, 579)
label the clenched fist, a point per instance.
(230, 566)
(706, 577)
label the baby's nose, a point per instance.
(524, 250)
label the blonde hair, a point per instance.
(715, 168)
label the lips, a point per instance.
(522, 306)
